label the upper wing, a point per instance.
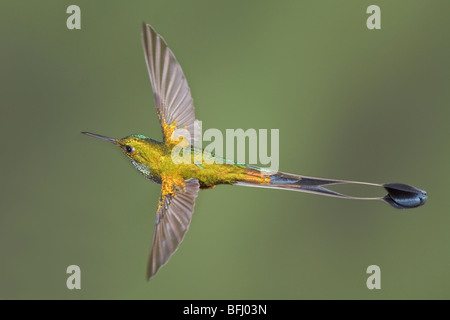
(172, 223)
(170, 89)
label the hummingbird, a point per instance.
(181, 182)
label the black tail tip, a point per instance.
(403, 196)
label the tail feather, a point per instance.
(399, 195)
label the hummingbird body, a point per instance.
(153, 159)
(181, 180)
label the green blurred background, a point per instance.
(350, 103)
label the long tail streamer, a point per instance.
(400, 196)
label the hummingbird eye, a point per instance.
(129, 149)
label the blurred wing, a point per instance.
(170, 89)
(172, 223)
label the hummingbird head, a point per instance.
(137, 147)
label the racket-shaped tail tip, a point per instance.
(403, 196)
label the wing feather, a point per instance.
(172, 222)
(170, 88)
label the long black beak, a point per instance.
(114, 141)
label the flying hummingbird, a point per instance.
(181, 182)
